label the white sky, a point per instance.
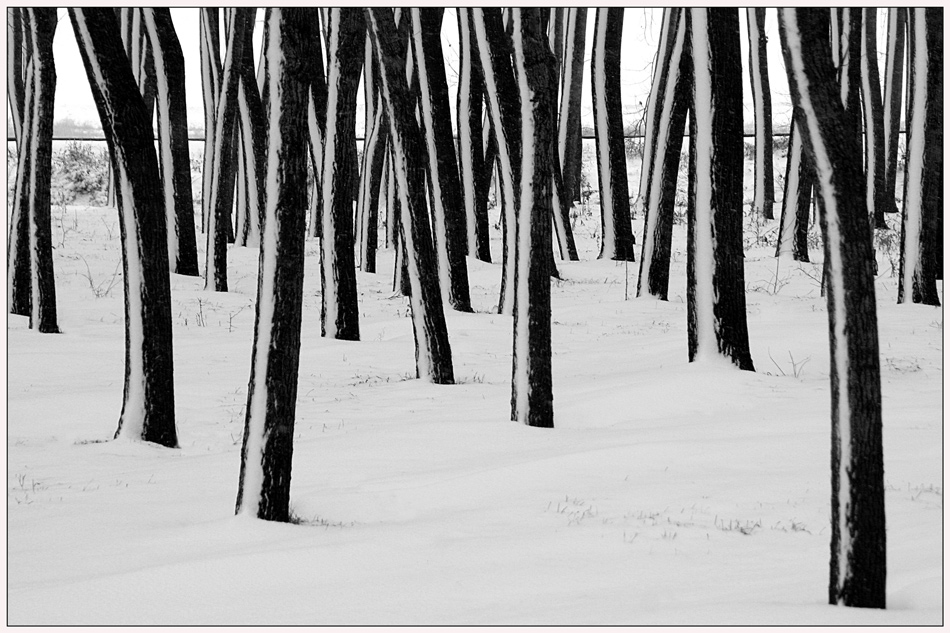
(640, 36)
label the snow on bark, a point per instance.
(893, 87)
(374, 153)
(762, 106)
(572, 74)
(873, 118)
(18, 243)
(669, 25)
(340, 310)
(796, 202)
(16, 66)
(210, 78)
(317, 124)
(858, 560)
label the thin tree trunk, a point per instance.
(17, 57)
(796, 201)
(569, 123)
(716, 311)
(252, 120)
(267, 450)
(616, 235)
(148, 404)
(210, 49)
(375, 148)
(317, 125)
(874, 158)
(18, 242)
(764, 194)
(893, 87)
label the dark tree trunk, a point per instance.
(252, 122)
(616, 235)
(148, 405)
(764, 191)
(433, 352)
(716, 312)
(666, 122)
(494, 49)
(317, 125)
(858, 551)
(174, 160)
(796, 201)
(17, 57)
(921, 229)
(532, 400)
(874, 160)
(471, 152)
(893, 86)
(374, 154)
(448, 219)
(19, 68)
(210, 48)
(267, 451)
(339, 315)
(569, 124)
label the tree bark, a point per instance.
(148, 405)
(796, 201)
(210, 49)
(874, 159)
(858, 552)
(716, 311)
(764, 194)
(252, 122)
(317, 125)
(18, 240)
(267, 450)
(374, 153)
(569, 124)
(893, 87)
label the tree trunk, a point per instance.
(893, 86)
(569, 124)
(716, 313)
(317, 125)
(796, 201)
(148, 405)
(252, 121)
(210, 49)
(874, 160)
(532, 400)
(17, 57)
(174, 160)
(376, 137)
(616, 236)
(858, 551)
(921, 228)
(494, 53)
(666, 122)
(339, 315)
(764, 194)
(18, 240)
(433, 352)
(267, 450)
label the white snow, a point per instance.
(915, 155)
(707, 326)
(603, 134)
(330, 174)
(825, 175)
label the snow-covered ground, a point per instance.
(668, 493)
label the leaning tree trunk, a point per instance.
(174, 160)
(796, 201)
(666, 123)
(764, 191)
(494, 53)
(433, 352)
(858, 551)
(339, 315)
(221, 199)
(448, 220)
(267, 451)
(210, 49)
(19, 69)
(317, 126)
(376, 136)
(532, 400)
(874, 160)
(252, 121)
(469, 129)
(148, 404)
(616, 236)
(893, 87)
(17, 57)
(569, 122)
(921, 228)
(716, 312)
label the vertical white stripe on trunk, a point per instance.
(253, 207)
(522, 360)
(165, 129)
(869, 139)
(567, 72)
(603, 137)
(133, 416)
(792, 185)
(439, 229)
(705, 262)
(648, 149)
(34, 137)
(914, 196)
(20, 210)
(759, 105)
(889, 85)
(328, 240)
(662, 135)
(256, 435)
(467, 170)
(845, 36)
(825, 175)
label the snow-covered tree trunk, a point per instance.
(375, 144)
(532, 400)
(764, 190)
(339, 315)
(616, 235)
(267, 450)
(858, 551)
(317, 126)
(893, 89)
(921, 227)
(210, 50)
(569, 122)
(174, 161)
(221, 193)
(874, 160)
(20, 74)
(469, 129)
(252, 121)
(716, 311)
(448, 220)
(663, 144)
(494, 50)
(17, 57)
(796, 201)
(143, 68)
(433, 352)
(148, 404)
